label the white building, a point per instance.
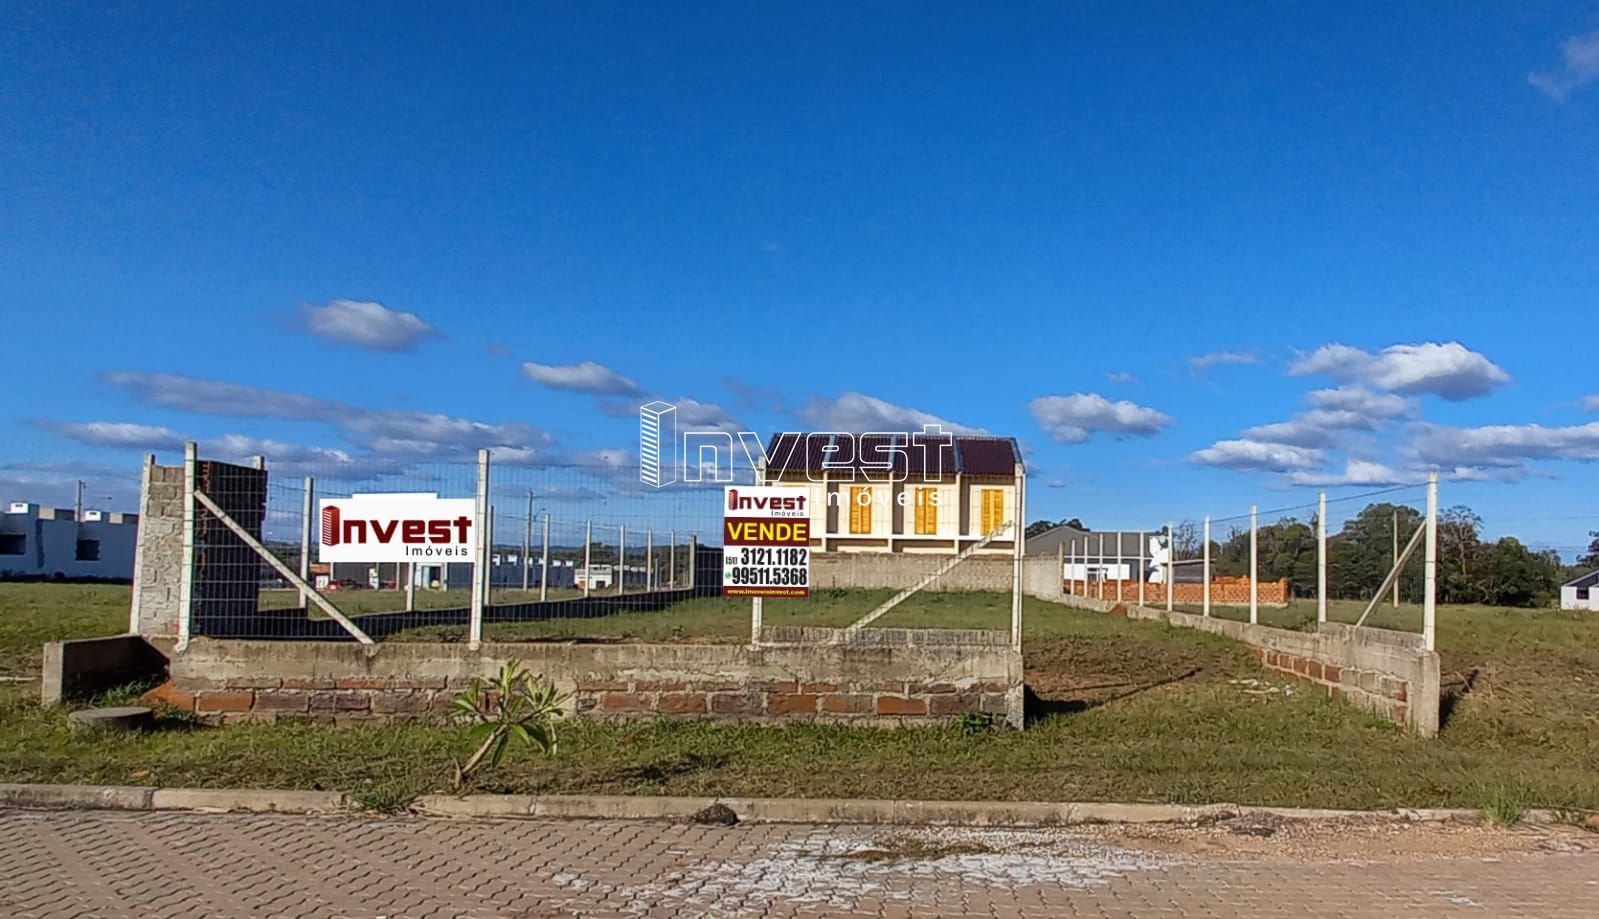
(47, 541)
(1583, 593)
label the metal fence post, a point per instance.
(1321, 559)
(307, 516)
(588, 543)
(480, 570)
(186, 577)
(1205, 602)
(1254, 567)
(1171, 566)
(1429, 603)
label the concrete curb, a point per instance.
(749, 810)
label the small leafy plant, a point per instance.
(513, 705)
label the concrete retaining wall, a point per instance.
(898, 571)
(82, 667)
(882, 676)
(1389, 673)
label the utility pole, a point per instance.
(77, 504)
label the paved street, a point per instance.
(79, 863)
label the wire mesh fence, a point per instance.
(572, 551)
(1264, 564)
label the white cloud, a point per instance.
(367, 324)
(215, 397)
(1447, 369)
(1315, 428)
(1203, 362)
(1121, 376)
(1579, 66)
(856, 413)
(692, 414)
(1591, 403)
(387, 433)
(1505, 445)
(1257, 456)
(1356, 472)
(1075, 418)
(118, 434)
(588, 377)
(1375, 406)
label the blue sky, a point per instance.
(1192, 256)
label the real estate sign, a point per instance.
(766, 542)
(397, 527)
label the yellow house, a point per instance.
(895, 493)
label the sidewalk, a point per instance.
(168, 863)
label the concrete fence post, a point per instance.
(1254, 566)
(1171, 567)
(1099, 566)
(1204, 609)
(1396, 558)
(671, 560)
(1121, 559)
(480, 569)
(1018, 541)
(191, 462)
(1429, 607)
(588, 557)
(621, 559)
(307, 520)
(527, 542)
(649, 558)
(544, 563)
(1143, 548)
(145, 474)
(693, 560)
(1321, 559)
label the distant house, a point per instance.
(946, 498)
(1110, 555)
(51, 542)
(1583, 593)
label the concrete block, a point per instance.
(474, 805)
(84, 666)
(279, 801)
(103, 797)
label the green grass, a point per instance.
(1127, 711)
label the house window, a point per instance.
(13, 543)
(993, 508)
(926, 512)
(1582, 593)
(860, 509)
(88, 550)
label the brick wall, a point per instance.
(1374, 690)
(1223, 591)
(876, 681)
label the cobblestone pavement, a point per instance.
(90, 863)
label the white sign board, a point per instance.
(766, 542)
(397, 527)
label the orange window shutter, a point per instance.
(860, 510)
(926, 513)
